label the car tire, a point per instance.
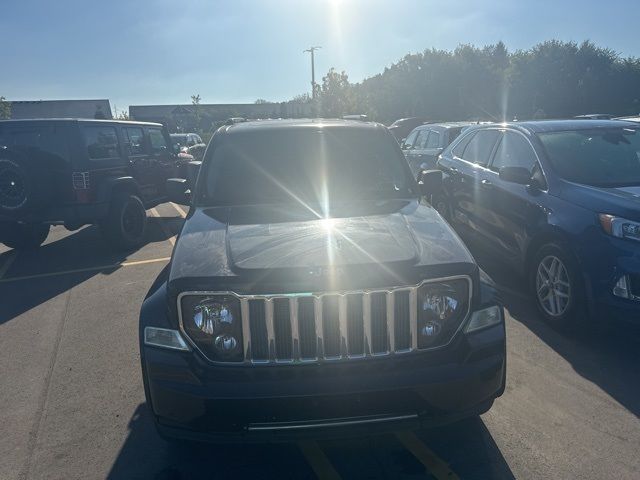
(23, 236)
(126, 222)
(23, 185)
(557, 287)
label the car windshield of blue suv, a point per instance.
(604, 157)
(308, 164)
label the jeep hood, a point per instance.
(217, 242)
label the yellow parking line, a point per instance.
(436, 467)
(88, 269)
(170, 236)
(180, 210)
(318, 460)
(5, 267)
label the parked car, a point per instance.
(310, 291)
(423, 145)
(560, 201)
(594, 116)
(403, 126)
(185, 140)
(77, 172)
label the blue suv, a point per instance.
(559, 200)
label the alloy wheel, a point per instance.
(553, 287)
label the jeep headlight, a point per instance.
(620, 227)
(441, 309)
(214, 325)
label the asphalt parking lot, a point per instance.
(72, 403)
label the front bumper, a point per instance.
(604, 264)
(192, 399)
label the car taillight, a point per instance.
(82, 186)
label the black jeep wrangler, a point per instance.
(312, 291)
(76, 172)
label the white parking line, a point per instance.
(6, 265)
(170, 236)
(180, 210)
(88, 269)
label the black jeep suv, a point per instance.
(76, 172)
(311, 291)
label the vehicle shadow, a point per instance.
(145, 455)
(607, 355)
(84, 252)
(467, 447)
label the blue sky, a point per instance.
(159, 51)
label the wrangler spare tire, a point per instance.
(23, 185)
(15, 187)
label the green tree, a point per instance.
(335, 94)
(5, 108)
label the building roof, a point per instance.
(60, 109)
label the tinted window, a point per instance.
(134, 137)
(421, 142)
(513, 151)
(157, 141)
(605, 157)
(453, 134)
(480, 146)
(49, 139)
(102, 142)
(458, 150)
(306, 166)
(434, 140)
(181, 139)
(408, 143)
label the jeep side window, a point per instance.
(408, 143)
(434, 140)
(157, 141)
(421, 142)
(134, 136)
(101, 142)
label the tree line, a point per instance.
(554, 79)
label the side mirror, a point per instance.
(515, 175)
(178, 191)
(430, 182)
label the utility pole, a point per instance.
(311, 50)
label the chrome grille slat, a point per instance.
(331, 326)
(268, 317)
(391, 340)
(307, 329)
(379, 344)
(413, 317)
(366, 319)
(283, 338)
(355, 326)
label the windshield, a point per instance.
(316, 166)
(181, 139)
(603, 157)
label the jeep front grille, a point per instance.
(306, 328)
(329, 326)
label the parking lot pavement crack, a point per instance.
(44, 398)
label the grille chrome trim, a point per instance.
(343, 335)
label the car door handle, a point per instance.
(486, 183)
